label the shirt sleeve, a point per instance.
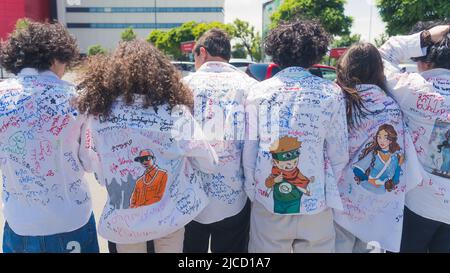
(337, 149)
(86, 153)
(402, 85)
(192, 142)
(251, 147)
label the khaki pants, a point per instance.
(271, 233)
(172, 243)
(346, 242)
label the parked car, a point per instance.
(266, 71)
(186, 68)
(241, 64)
(4, 75)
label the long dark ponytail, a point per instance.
(361, 64)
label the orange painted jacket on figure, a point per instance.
(149, 187)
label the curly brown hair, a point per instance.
(297, 43)
(135, 67)
(38, 45)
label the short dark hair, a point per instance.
(37, 45)
(437, 54)
(216, 42)
(297, 43)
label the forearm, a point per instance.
(400, 48)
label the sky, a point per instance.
(251, 11)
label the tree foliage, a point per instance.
(96, 49)
(329, 13)
(402, 15)
(128, 35)
(169, 41)
(248, 39)
(346, 40)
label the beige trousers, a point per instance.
(346, 242)
(172, 243)
(272, 233)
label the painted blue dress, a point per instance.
(381, 171)
(445, 167)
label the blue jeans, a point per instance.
(82, 240)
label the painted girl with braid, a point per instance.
(378, 168)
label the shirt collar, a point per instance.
(217, 67)
(292, 71)
(436, 72)
(367, 87)
(34, 72)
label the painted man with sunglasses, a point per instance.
(150, 186)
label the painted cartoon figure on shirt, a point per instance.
(444, 148)
(149, 188)
(378, 169)
(286, 180)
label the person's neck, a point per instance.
(216, 59)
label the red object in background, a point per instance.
(12, 10)
(187, 47)
(336, 53)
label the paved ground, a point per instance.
(98, 198)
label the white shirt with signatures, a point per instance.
(382, 163)
(296, 143)
(219, 91)
(146, 159)
(44, 189)
(425, 101)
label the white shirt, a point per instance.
(291, 109)
(146, 159)
(371, 213)
(220, 90)
(44, 189)
(425, 102)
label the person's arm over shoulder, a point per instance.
(401, 48)
(192, 142)
(86, 152)
(337, 148)
(251, 142)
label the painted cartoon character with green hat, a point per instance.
(286, 180)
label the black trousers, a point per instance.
(231, 235)
(113, 249)
(422, 235)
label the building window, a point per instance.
(124, 25)
(142, 10)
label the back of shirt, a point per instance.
(425, 101)
(297, 143)
(374, 183)
(220, 90)
(44, 189)
(145, 158)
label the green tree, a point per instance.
(248, 38)
(128, 35)
(381, 40)
(96, 49)
(169, 41)
(329, 13)
(201, 28)
(239, 52)
(22, 23)
(346, 40)
(402, 15)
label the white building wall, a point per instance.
(87, 35)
